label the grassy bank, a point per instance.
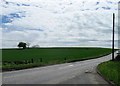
(111, 70)
(26, 58)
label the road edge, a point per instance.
(110, 82)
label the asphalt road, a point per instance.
(82, 72)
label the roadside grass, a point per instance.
(13, 59)
(9, 67)
(111, 71)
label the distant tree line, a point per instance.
(25, 45)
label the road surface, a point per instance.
(82, 72)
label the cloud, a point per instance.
(58, 23)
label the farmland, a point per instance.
(47, 56)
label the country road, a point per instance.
(82, 72)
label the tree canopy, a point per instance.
(22, 44)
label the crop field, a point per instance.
(47, 56)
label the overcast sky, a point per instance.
(57, 22)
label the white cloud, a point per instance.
(60, 22)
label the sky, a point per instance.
(58, 23)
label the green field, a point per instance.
(46, 56)
(111, 70)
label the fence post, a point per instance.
(40, 59)
(65, 59)
(32, 60)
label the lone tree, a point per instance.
(22, 44)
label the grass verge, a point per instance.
(111, 71)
